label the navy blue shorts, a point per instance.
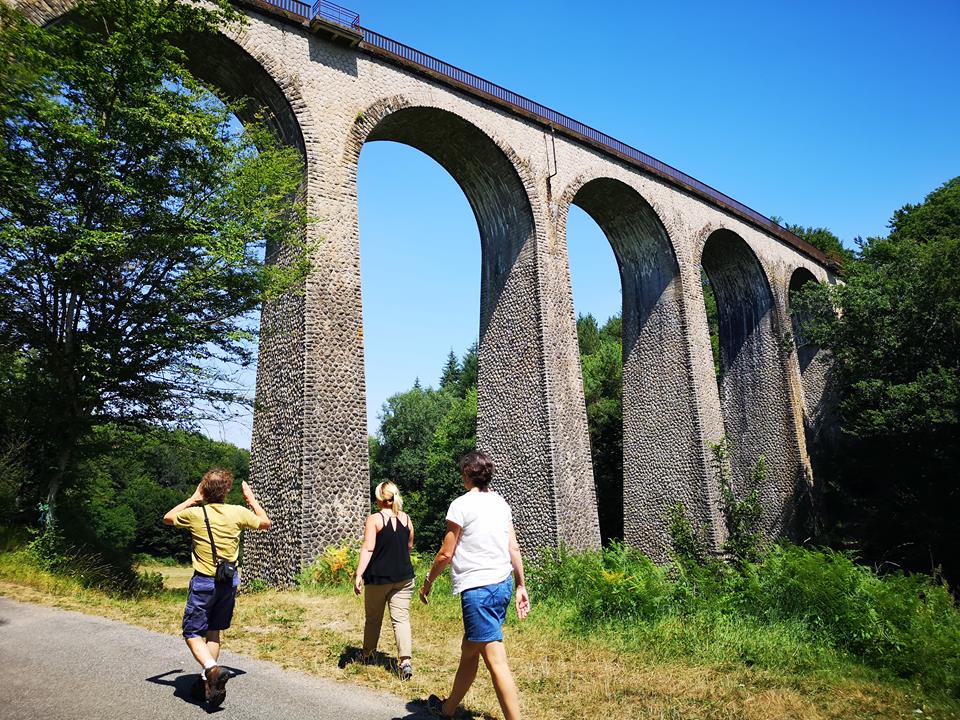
(485, 609)
(209, 605)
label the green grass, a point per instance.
(806, 634)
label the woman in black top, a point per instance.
(387, 574)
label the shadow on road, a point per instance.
(184, 685)
(417, 710)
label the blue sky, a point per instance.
(825, 113)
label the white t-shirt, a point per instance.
(482, 556)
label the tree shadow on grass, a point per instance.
(183, 686)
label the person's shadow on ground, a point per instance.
(418, 711)
(183, 685)
(352, 654)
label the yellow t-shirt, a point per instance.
(226, 522)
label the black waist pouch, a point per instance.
(226, 572)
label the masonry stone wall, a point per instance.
(309, 444)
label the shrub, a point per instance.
(797, 608)
(48, 551)
(908, 624)
(335, 566)
(257, 585)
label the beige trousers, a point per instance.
(397, 595)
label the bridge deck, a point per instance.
(342, 25)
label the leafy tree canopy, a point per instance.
(133, 222)
(893, 329)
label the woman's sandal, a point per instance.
(435, 707)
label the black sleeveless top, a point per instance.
(390, 562)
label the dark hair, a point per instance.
(478, 467)
(216, 484)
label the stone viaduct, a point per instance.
(332, 86)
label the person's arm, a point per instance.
(523, 599)
(410, 525)
(194, 499)
(258, 510)
(366, 551)
(443, 558)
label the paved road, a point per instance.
(58, 665)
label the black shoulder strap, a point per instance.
(213, 545)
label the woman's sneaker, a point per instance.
(406, 670)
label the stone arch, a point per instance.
(515, 417)
(662, 459)
(754, 392)
(489, 172)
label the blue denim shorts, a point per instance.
(485, 609)
(209, 605)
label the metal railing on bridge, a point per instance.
(349, 19)
(321, 9)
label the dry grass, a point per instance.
(559, 676)
(175, 577)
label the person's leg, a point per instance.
(201, 653)
(399, 601)
(374, 599)
(466, 673)
(495, 657)
(213, 644)
(196, 619)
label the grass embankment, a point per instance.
(604, 640)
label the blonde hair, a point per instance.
(389, 493)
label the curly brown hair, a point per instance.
(216, 484)
(478, 468)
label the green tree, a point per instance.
(825, 241)
(454, 437)
(407, 425)
(129, 477)
(450, 376)
(133, 220)
(469, 371)
(893, 329)
(822, 239)
(601, 358)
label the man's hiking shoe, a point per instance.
(406, 670)
(198, 691)
(435, 707)
(217, 677)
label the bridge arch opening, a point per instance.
(751, 379)
(657, 435)
(598, 304)
(806, 350)
(509, 424)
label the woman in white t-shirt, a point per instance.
(482, 545)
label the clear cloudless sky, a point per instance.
(830, 114)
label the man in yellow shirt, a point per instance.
(209, 602)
